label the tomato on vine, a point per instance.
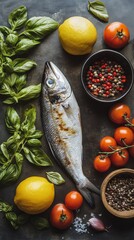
(119, 158)
(73, 200)
(123, 136)
(61, 217)
(102, 163)
(119, 112)
(107, 144)
(116, 35)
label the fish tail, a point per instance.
(86, 189)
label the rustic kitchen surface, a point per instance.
(94, 119)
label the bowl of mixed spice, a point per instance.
(117, 193)
(107, 76)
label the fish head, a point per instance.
(55, 84)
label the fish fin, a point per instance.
(86, 193)
(86, 189)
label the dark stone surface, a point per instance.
(95, 122)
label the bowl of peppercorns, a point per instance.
(117, 193)
(107, 76)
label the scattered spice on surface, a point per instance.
(105, 78)
(120, 193)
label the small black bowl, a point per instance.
(120, 59)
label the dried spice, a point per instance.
(105, 78)
(120, 193)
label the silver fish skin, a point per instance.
(62, 127)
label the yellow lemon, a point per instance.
(77, 35)
(34, 195)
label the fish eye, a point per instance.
(50, 83)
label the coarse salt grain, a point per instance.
(79, 226)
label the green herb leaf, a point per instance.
(14, 170)
(33, 143)
(5, 207)
(18, 17)
(18, 81)
(36, 134)
(28, 124)
(40, 222)
(38, 157)
(5, 30)
(12, 120)
(24, 45)
(22, 65)
(55, 178)
(38, 27)
(12, 218)
(30, 92)
(4, 150)
(98, 9)
(23, 218)
(12, 39)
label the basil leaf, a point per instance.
(18, 17)
(1, 37)
(4, 150)
(5, 30)
(12, 39)
(38, 27)
(5, 207)
(12, 218)
(36, 134)
(30, 92)
(22, 65)
(10, 100)
(7, 50)
(24, 45)
(40, 222)
(34, 143)
(18, 81)
(22, 219)
(55, 178)
(38, 157)
(14, 170)
(98, 9)
(28, 124)
(12, 120)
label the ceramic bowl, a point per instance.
(114, 56)
(118, 174)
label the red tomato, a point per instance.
(116, 35)
(107, 142)
(118, 112)
(101, 163)
(73, 200)
(61, 217)
(120, 158)
(124, 136)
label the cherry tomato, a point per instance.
(123, 136)
(117, 113)
(101, 163)
(73, 200)
(120, 158)
(61, 217)
(107, 142)
(116, 35)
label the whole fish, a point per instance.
(62, 127)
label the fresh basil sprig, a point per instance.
(24, 143)
(98, 9)
(22, 35)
